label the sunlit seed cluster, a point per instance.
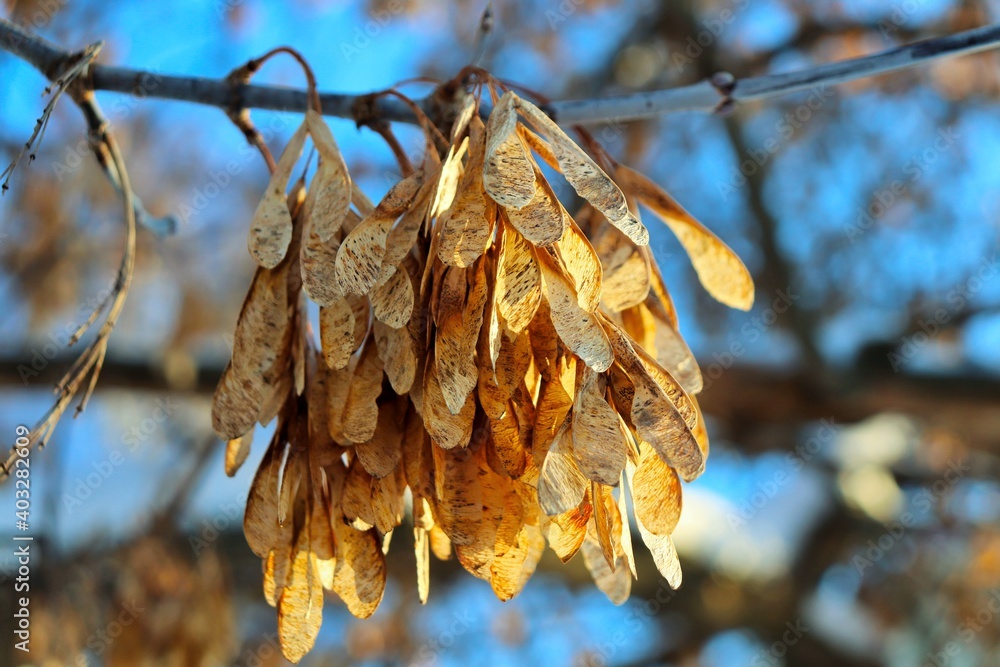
(515, 368)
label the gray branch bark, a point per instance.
(720, 91)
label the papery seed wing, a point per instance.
(360, 575)
(466, 227)
(579, 330)
(509, 171)
(561, 485)
(392, 301)
(388, 504)
(518, 281)
(654, 415)
(627, 283)
(676, 357)
(565, 532)
(447, 430)
(359, 259)
(260, 521)
(513, 543)
(381, 455)
(554, 404)
(447, 182)
(597, 440)
(397, 349)
(300, 607)
(237, 450)
(356, 501)
(336, 327)
(497, 384)
(271, 227)
(236, 404)
(719, 269)
(329, 194)
(422, 551)
(360, 409)
(614, 583)
(542, 220)
(459, 493)
(263, 330)
(583, 266)
(588, 179)
(656, 493)
(626, 534)
(318, 267)
(477, 556)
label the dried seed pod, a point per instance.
(519, 371)
(271, 227)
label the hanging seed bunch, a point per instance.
(518, 369)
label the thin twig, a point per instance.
(704, 96)
(90, 361)
(483, 35)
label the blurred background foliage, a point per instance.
(850, 511)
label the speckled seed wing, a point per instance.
(518, 284)
(588, 179)
(656, 493)
(561, 485)
(271, 227)
(467, 225)
(582, 265)
(300, 606)
(359, 577)
(329, 196)
(542, 220)
(597, 440)
(720, 271)
(359, 259)
(508, 171)
(655, 417)
(579, 330)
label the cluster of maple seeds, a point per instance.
(518, 369)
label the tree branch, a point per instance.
(750, 401)
(722, 90)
